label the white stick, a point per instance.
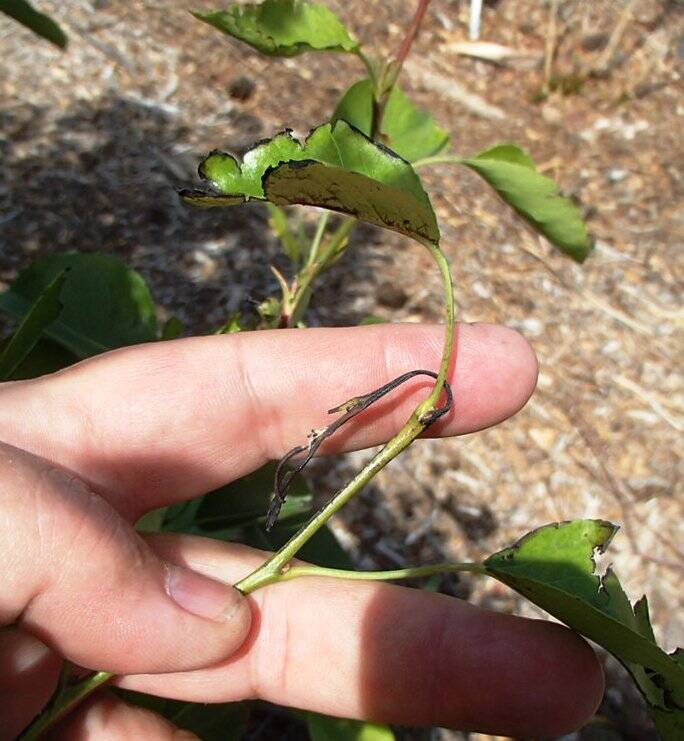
(475, 13)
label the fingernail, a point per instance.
(201, 595)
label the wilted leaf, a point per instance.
(105, 304)
(325, 728)
(554, 568)
(511, 172)
(39, 23)
(408, 131)
(43, 312)
(337, 168)
(283, 28)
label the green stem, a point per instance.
(438, 159)
(368, 64)
(318, 237)
(272, 571)
(66, 701)
(412, 572)
(310, 272)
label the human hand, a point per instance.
(151, 425)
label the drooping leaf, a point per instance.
(39, 23)
(338, 168)
(105, 303)
(408, 131)
(283, 28)
(554, 568)
(41, 314)
(325, 728)
(512, 173)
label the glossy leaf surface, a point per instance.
(337, 167)
(554, 568)
(408, 131)
(283, 28)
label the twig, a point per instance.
(351, 408)
(551, 39)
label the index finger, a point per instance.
(153, 424)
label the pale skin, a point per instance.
(87, 451)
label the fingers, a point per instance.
(106, 718)
(388, 653)
(80, 579)
(28, 675)
(152, 424)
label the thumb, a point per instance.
(82, 580)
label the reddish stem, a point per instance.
(411, 34)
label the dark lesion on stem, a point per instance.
(351, 408)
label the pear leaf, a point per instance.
(337, 167)
(408, 131)
(554, 568)
(512, 174)
(283, 28)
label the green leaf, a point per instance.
(337, 168)
(512, 173)
(245, 501)
(39, 23)
(172, 329)
(280, 225)
(152, 522)
(554, 568)
(46, 357)
(408, 131)
(105, 304)
(283, 28)
(325, 728)
(213, 722)
(231, 325)
(43, 312)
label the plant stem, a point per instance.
(368, 64)
(412, 572)
(273, 570)
(318, 237)
(385, 82)
(310, 272)
(67, 699)
(410, 37)
(438, 159)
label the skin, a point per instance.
(86, 451)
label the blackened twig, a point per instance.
(351, 408)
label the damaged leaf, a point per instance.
(410, 132)
(512, 173)
(554, 568)
(337, 168)
(283, 28)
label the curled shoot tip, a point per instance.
(351, 408)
